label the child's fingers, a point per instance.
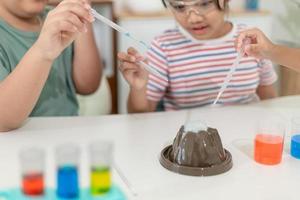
(79, 1)
(132, 51)
(252, 50)
(86, 1)
(68, 1)
(65, 26)
(248, 34)
(82, 2)
(124, 57)
(124, 66)
(243, 36)
(239, 41)
(79, 9)
(73, 19)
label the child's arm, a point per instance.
(262, 47)
(138, 102)
(137, 77)
(266, 92)
(20, 90)
(87, 65)
(285, 56)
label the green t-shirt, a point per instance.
(58, 97)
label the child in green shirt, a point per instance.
(45, 59)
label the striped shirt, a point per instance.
(193, 71)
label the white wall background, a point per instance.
(275, 6)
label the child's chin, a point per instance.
(202, 36)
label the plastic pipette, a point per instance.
(231, 71)
(128, 34)
(125, 180)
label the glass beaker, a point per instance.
(295, 140)
(268, 143)
(67, 159)
(32, 162)
(101, 158)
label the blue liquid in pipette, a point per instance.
(67, 182)
(144, 43)
(140, 42)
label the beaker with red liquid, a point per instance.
(32, 162)
(269, 142)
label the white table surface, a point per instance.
(140, 138)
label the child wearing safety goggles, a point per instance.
(194, 59)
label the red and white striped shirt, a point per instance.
(193, 71)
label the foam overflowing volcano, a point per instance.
(197, 150)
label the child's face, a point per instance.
(201, 18)
(24, 8)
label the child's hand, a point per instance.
(259, 47)
(135, 75)
(61, 27)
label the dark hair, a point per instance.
(216, 2)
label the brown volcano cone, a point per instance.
(197, 154)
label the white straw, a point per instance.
(128, 34)
(228, 78)
(108, 22)
(231, 71)
(125, 180)
(150, 69)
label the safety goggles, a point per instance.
(200, 7)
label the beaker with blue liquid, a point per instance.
(295, 137)
(67, 159)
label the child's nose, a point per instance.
(195, 17)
